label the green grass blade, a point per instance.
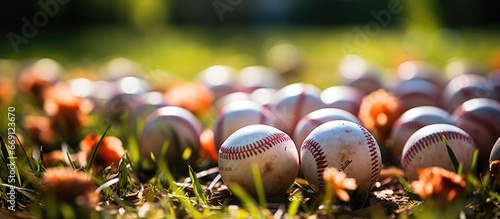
(3, 147)
(259, 187)
(247, 200)
(96, 148)
(294, 205)
(408, 189)
(473, 164)
(122, 176)
(28, 158)
(133, 147)
(451, 154)
(198, 191)
(68, 158)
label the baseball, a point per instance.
(269, 148)
(294, 101)
(495, 151)
(411, 121)
(480, 118)
(346, 146)
(343, 97)
(426, 148)
(465, 87)
(417, 92)
(315, 118)
(173, 125)
(237, 115)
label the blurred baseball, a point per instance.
(239, 114)
(173, 126)
(480, 118)
(315, 118)
(294, 101)
(465, 87)
(343, 97)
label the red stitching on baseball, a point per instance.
(428, 140)
(374, 155)
(319, 156)
(254, 148)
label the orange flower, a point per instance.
(71, 187)
(338, 182)
(68, 112)
(208, 145)
(495, 169)
(38, 77)
(109, 154)
(436, 183)
(41, 129)
(192, 96)
(7, 90)
(378, 111)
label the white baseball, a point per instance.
(480, 118)
(239, 114)
(411, 121)
(346, 146)
(495, 151)
(172, 124)
(426, 148)
(315, 118)
(269, 148)
(343, 97)
(294, 101)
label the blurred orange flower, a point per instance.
(495, 169)
(7, 90)
(190, 95)
(72, 187)
(378, 111)
(109, 154)
(38, 77)
(208, 145)
(68, 112)
(338, 182)
(40, 129)
(438, 184)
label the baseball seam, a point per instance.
(372, 146)
(319, 156)
(254, 148)
(428, 140)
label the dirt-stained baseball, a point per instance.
(426, 148)
(270, 149)
(346, 146)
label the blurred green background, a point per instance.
(187, 36)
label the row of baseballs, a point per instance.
(339, 143)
